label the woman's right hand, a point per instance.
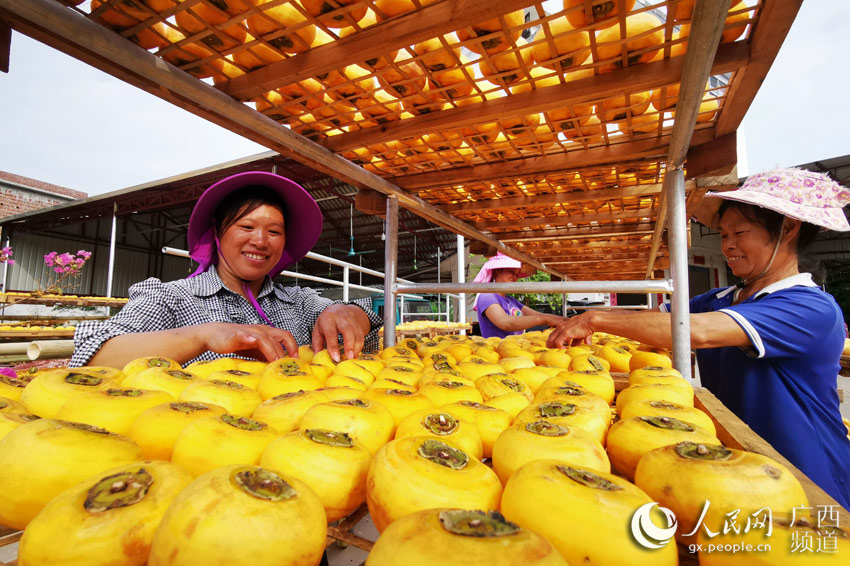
(251, 340)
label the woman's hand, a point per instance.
(571, 331)
(252, 340)
(348, 320)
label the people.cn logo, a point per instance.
(647, 533)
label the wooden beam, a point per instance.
(72, 33)
(625, 262)
(556, 198)
(585, 258)
(574, 233)
(397, 33)
(5, 46)
(717, 157)
(771, 28)
(563, 220)
(637, 78)
(555, 163)
(570, 247)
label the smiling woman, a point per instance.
(244, 230)
(768, 347)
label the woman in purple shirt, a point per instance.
(499, 315)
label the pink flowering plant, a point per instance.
(6, 255)
(63, 266)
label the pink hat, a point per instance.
(796, 193)
(498, 261)
(302, 218)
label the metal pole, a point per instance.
(345, 271)
(674, 186)
(5, 268)
(461, 278)
(564, 303)
(391, 270)
(111, 269)
(401, 309)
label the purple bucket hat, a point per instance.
(302, 220)
(796, 193)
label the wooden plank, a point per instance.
(397, 33)
(596, 232)
(717, 157)
(555, 163)
(5, 46)
(70, 32)
(573, 219)
(774, 21)
(557, 198)
(637, 78)
(734, 433)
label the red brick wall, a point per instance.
(16, 199)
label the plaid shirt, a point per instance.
(155, 305)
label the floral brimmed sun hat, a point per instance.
(796, 193)
(498, 261)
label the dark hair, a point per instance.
(244, 201)
(772, 222)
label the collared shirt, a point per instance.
(155, 306)
(783, 385)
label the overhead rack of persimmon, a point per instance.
(544, 125)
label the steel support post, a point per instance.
(390, 270)
(674, 186)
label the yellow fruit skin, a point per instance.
(68, 534)
(172, 381)
(214, 523)
(399, 402)
(204, 368)
(518, 446)
(274, 384)
(140, 364)
(652, 408)
(615, 355)
(8, 405)
(246, 378)
(283, 413)
(443, 392)
(489, 421)
(114, 412)
(572, 392)
(336, 473)
(368, 422)
(9, 421)
(643, 358)
(156, 430)
(589, 362)
(496, 384)
(427, 484)
(39, 460)
(656, 391)
(512, 403)
(11, 388)
(630, 440)
(543, 499)
(211, 442)
(601, 383)
(46, 394)
(464, 434)
(419, 539)
(104, 371)
(582, 417)
(236, 399)
(745, 481)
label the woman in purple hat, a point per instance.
(244, 230)
(768, 347)
(500, 315)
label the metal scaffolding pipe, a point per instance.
(391, 270)
(674, 185)
(111, 269)
(461, 278)
(648, 286)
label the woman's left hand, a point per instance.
(348, 320)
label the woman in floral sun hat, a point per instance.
(768, 347)
(498, 314)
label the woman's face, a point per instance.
(746, 244)
(252, 245)
(505, 275)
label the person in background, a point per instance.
(243, 231)
(498, 314)
(768, 347)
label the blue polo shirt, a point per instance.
(784, 384)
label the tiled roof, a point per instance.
(41, 185)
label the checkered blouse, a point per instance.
(155, 305)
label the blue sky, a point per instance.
(69, 124)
